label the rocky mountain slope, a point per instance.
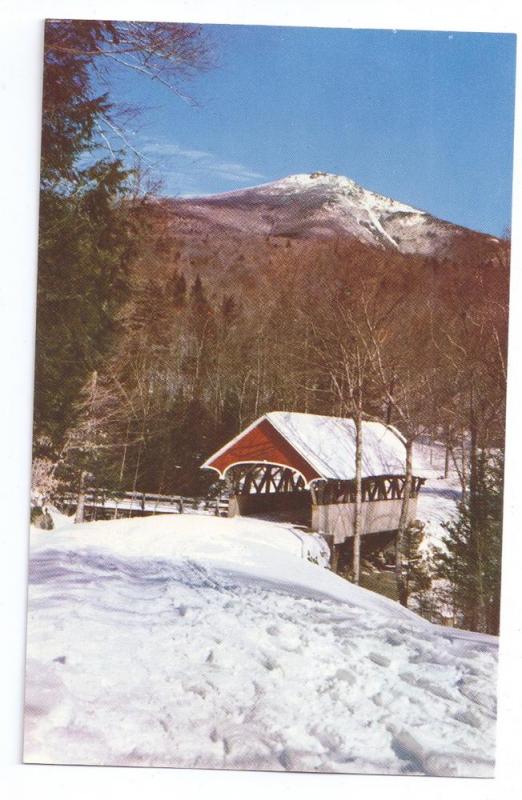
(321, 206)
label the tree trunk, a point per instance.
(464, 479)
(334, 562)
(447, 452)
(403, 523)
(446, 460)
(124, 455)
(389, 404)
(80, 506)
(357, 528)
(478, 610)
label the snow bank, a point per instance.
(240, 540)
(439, 497)
(208, 642)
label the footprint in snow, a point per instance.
(345, 675)
(468, 718)
(428, 685)
(395, 639)
(472, 691)
(270, 664)
(379, 659)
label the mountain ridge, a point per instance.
(322, 205)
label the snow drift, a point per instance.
(194, 641)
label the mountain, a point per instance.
(322, 206)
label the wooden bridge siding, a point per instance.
(337, 519)
(269, 490)
(263, 445)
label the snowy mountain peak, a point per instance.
(310, 180)
(321, 205)
(327, 186)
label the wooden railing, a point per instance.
(380, 487)
(103, 504)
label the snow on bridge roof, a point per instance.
(327, 444)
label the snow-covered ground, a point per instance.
(207, 642)
(438, 498)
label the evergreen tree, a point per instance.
(86, 239)
(416, 573)
(176, 289)
(84, 246)
(198, 297)
(229, 308)
(470, 562)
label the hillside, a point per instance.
(224, 324)
(205, 642)
(321, 205)
(243, 237)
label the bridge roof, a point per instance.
(316, 446)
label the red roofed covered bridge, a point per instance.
(301, 468)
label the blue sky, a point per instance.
(424, 117)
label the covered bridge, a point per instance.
(301, 468)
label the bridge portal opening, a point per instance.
(269, 491)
